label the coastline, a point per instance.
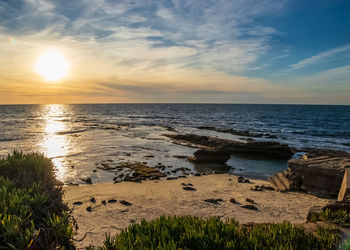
(151, 199)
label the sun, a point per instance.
(52, 66)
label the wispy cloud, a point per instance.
(322, 57)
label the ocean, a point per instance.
(79, 136)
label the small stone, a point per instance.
(89, 209)
(92, 200)
(250, 200)
(72, 166)
(125, 203)
(103, 202)
(251, 207)
(229, 179)
(189, 189)
(132, 221)
(88, 181)
(112, 201)
(233, 201)
(95, 170)
(214, 201)
(77, 203)
(197, 174)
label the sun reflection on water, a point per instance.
(56, 145)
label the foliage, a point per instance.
(194, 233)
(32, 212)
(340, 217)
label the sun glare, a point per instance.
(52, 66)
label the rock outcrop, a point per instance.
(318, 175)
(266, 148)
(211, 156)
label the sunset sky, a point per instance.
(238, 51)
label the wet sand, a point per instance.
(151, 199)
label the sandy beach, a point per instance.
(151, 199)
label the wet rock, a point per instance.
(89, 209)
(211, 156)
(189, 189)
(111, 201)
(92, 200)
(250, 207)
(77, 203)
(241, 179)
(125, 203)
(267, 148)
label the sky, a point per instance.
(188, 51)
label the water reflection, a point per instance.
(54, 145)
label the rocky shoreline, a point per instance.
(316, 171)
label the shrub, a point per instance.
(339, 217)
(194, 233)
(32, 212)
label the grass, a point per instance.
(195, 233)
(32, 212)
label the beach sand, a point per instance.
(151, 199)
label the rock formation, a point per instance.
(317, 174)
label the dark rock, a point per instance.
(89, 209)
(92, 200)
(214, 201)
(241, 179)
(314, 213)
(77, 203)
(233, 201)
(251, 207)
(103, 202)
(171, 178)
(189, 188)
(267, 148)
(148, 156)
(318, 175)
(197, 174)
(112, 201)
(250, 200)
(211, 156)
(132, 221)
(180, 156)
(88, 181)
(110, 160)
(95, 170)
(125, 203)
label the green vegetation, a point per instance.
(32, 212)
(340, 217)
(194, 233)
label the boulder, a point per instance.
(211, 156)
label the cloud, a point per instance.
(322, 57)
